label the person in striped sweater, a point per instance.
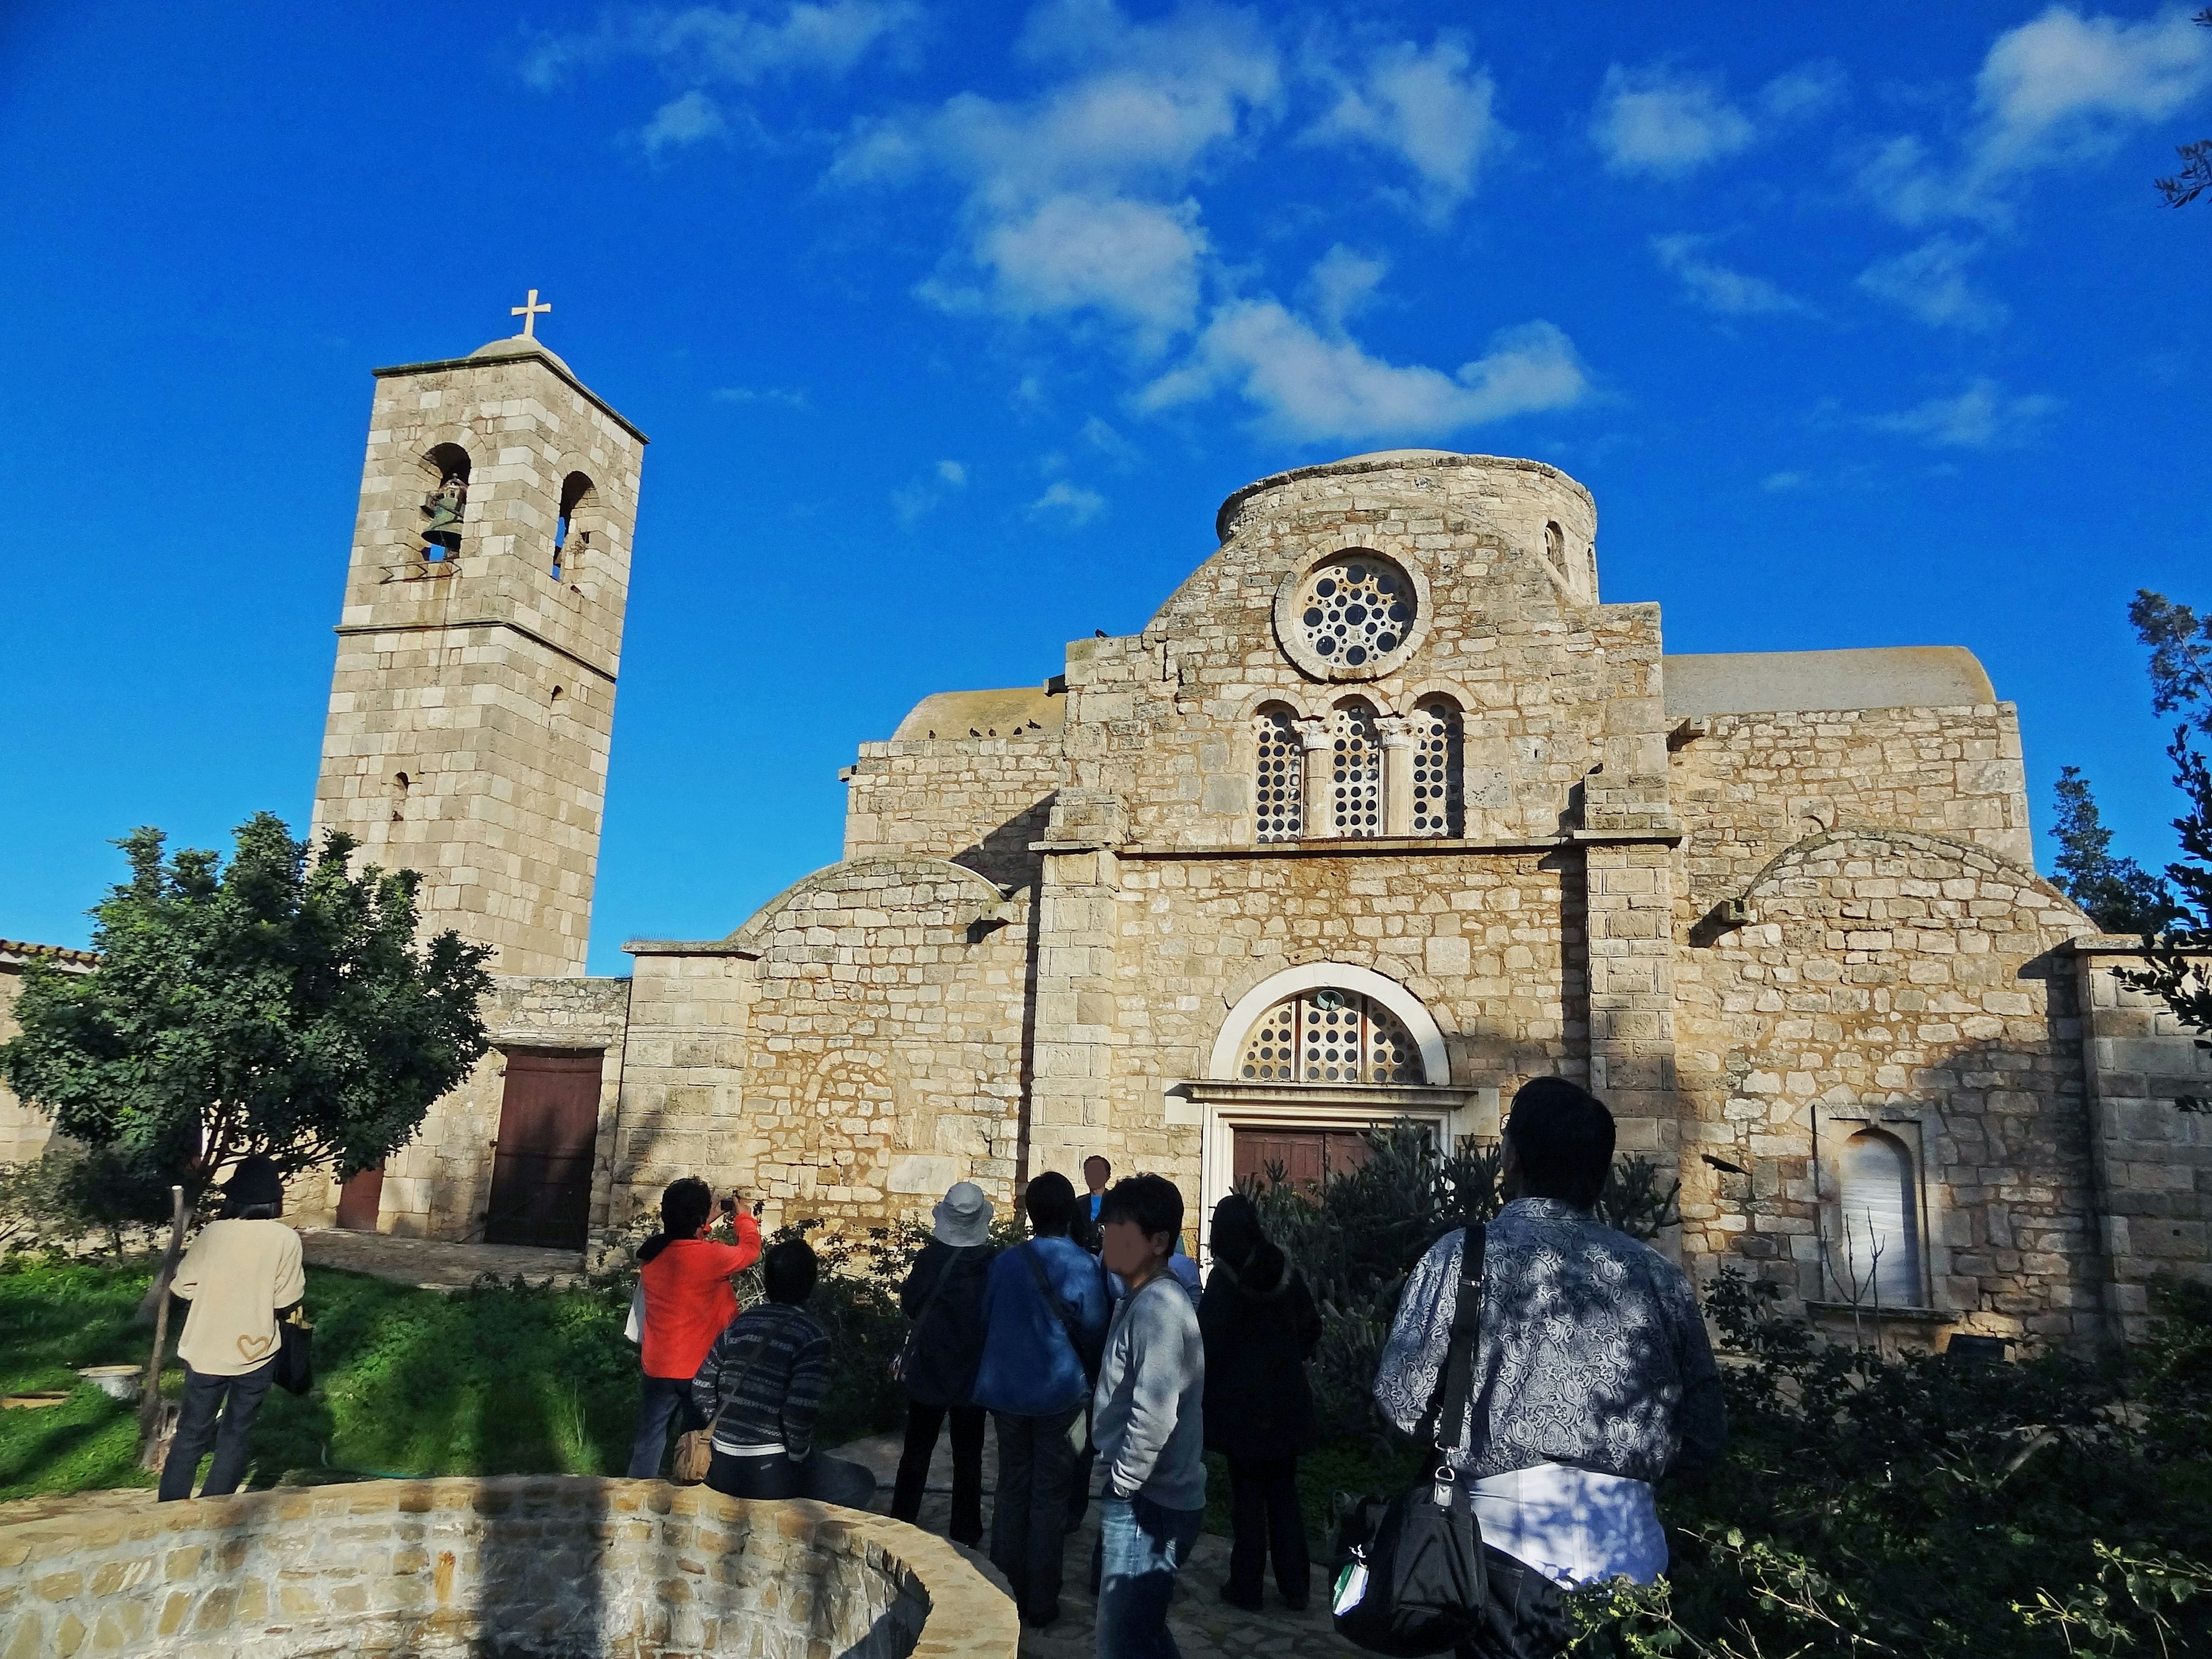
(761, 1385)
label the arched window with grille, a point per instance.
(1439, 772)
(1876, 1261)
(1280, 780)
(1356, 755)
(1327, 1036)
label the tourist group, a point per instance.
(1559, 1367)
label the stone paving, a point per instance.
(432, 1264)
(1204, 1625)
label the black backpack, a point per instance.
(1412, 1565)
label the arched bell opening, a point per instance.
(445, 505)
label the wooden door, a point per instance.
(360, 1199)
(1307, 1157)
(541, 1172)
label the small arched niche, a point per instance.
(445, 503)
(572, 533)
(1877, 1260)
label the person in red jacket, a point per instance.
(689, 1299)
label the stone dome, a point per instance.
(523, 345)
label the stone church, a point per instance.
(1383, 813)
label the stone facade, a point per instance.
(457, 1567)
(1384, 770)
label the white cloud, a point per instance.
(1307, 386)
(1076, 200)
(708, 44)
(2058, 90)
(1066, 506)
(1809, 89)
(1776, 484)
(681, 121)
(762, 394)
(1929, 282)
(1110, 443)
(913, 502)
(1982, 416)
(1718, 288)
(1434, 110)
(1664, 124)
(1342, 282)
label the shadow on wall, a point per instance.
(1004, 856)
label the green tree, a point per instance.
(2196, 175)
(277, 1003)
(2120, 895)
(2176, 949)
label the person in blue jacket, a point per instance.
(1045, 1324)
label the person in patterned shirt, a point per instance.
(1593, 1376)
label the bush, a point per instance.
(70, 1192)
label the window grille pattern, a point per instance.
(1328, 1035)
(1355, 609)
(1877, 1261)
(1356, 755)
(1279, 790)
(1438, 732)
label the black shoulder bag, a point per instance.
(1411, 1580)
(902, 1366)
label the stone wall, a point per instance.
(2153, 1160)
(851, 1052)
(1917, 985)
(25, 1130)
(547, 1567)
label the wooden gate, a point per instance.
(1308, 1157)
(541, 1172)
(360, 1200)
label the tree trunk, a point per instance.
(154, 1421)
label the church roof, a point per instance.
(1015, 712)
(1795, 681)
(15, 952)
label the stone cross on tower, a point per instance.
(529, 312)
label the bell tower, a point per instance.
(472, 708)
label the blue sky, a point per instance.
(951, 326)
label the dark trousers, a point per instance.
(1028, 1520)
(922, 1423)
(238, 1398)
(665, 1398)
(1263, 1508)
(825, 1479)
(1525, 1616)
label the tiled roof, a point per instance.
(16, 950)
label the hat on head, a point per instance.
(255, 1181)
(963, 1215)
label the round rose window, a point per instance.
(1354, 610)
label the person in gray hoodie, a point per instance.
(1147, 1421)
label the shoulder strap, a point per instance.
(1060, 1310)
(943, 1278)
(1455, 1381)
(722, 1397)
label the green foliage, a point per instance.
(271, 1004)
(1917, 1506)
(69, 1192)
(2120, 895)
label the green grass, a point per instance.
(497, 1380)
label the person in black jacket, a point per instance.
(1260, 1325)
(944, 1296)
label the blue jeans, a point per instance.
(1141, 1547)
(238, 1398)
(662, 1398)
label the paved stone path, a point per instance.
(1204, 1625)
(433, 1265)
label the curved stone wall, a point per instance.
(527, 1567)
